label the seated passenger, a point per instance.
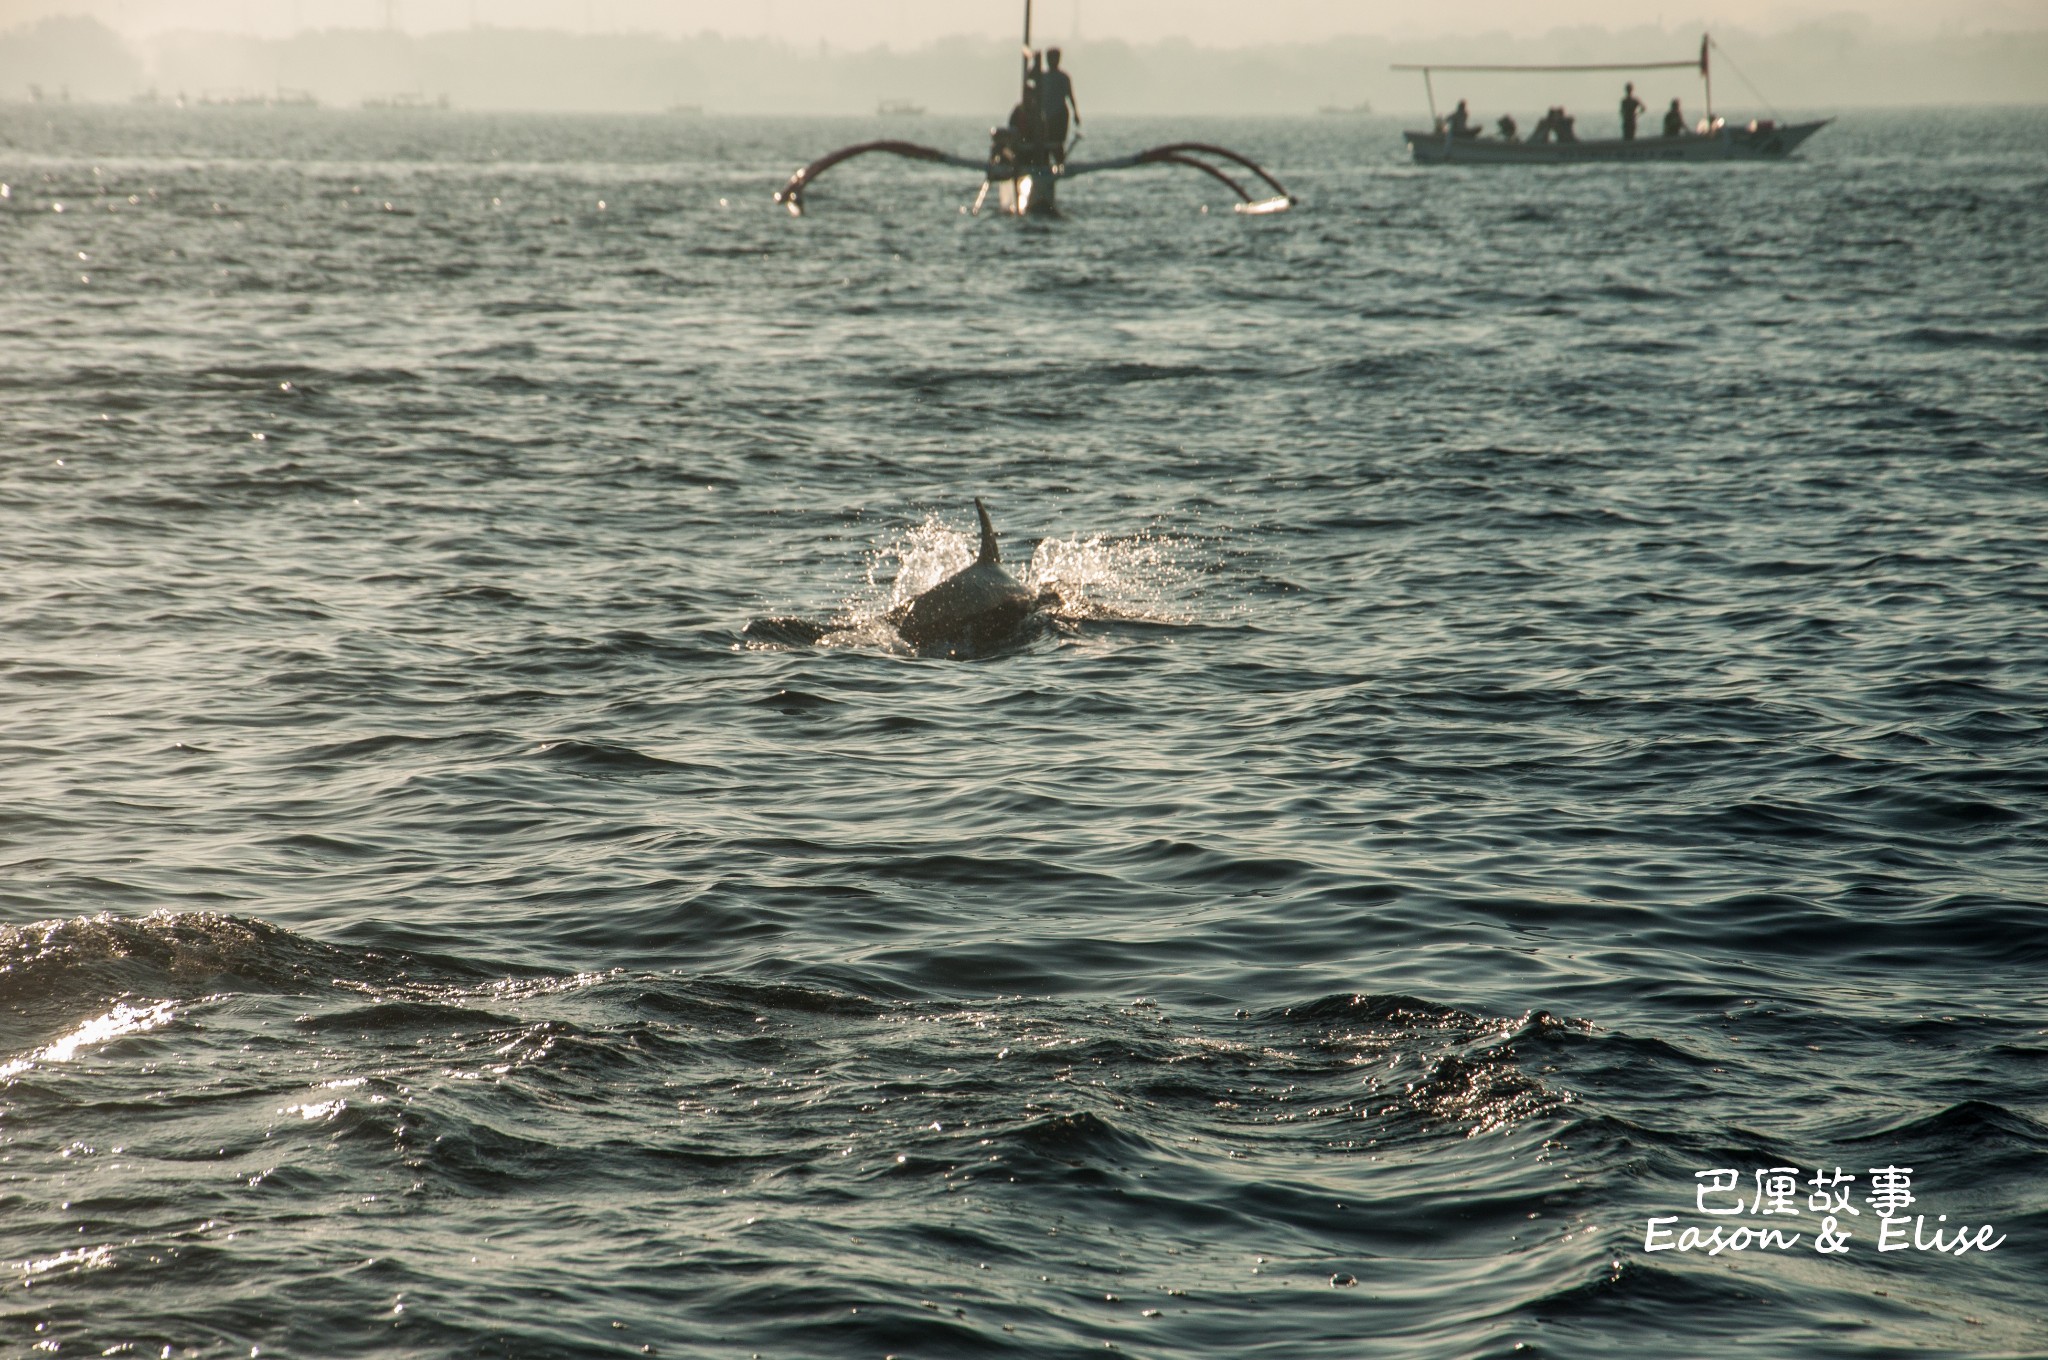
(1674, 121)
(1506, 124)
(1564, 121)
(1459, 124)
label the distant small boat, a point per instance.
(1346, 110)
(1713, 139)
(281, 98)
(899, 108)
(406, 100)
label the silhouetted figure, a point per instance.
(1507, 127)
(1055, 97)
(1567, 126)
(1459, 124)
(1630, 107)
(1674, 121)
(1027, 120)
(1025, 123)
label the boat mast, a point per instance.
(1024, 80)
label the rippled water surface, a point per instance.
(1550, 696)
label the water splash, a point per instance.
(922, 557)
(320, 1111)
(1144, 578)
(1097, 576)
(1141, 578)
(78, 1258)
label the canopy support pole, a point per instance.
(1707, 74)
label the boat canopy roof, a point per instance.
(1699, 62)
(1692, 65)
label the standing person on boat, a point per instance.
(1674, 121)
(1459, 124)
(1630, 107)
(1055, 97)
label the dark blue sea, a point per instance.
(1544, 743)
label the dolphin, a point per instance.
(975, 610)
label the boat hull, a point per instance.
(1727, 144)
(1034, 193)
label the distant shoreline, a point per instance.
(1839, 66)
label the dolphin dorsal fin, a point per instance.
(989, 554)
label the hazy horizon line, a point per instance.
(1838, 22)
(1854, 64)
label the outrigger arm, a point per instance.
(1190, 153)
(791, 195)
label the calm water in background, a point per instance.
(1554, 699)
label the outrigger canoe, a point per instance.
(1025, 174)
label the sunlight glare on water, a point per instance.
(123, 1019)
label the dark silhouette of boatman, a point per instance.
(1507, 127)
(1459, 124)
(1630, 107)
(1027, 120)
(1055, 97)
(1674, 121)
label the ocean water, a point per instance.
(1550, 699)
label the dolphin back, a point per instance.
(976, 610)
(990, 556)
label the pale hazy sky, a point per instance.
(913, 23)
